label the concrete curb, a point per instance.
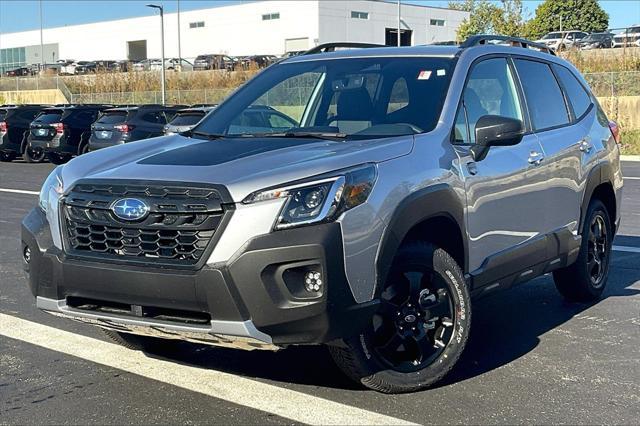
(630, 157)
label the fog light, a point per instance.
(26, 254)
(313, 281)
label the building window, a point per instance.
(437, 22)
(198, 24)
(270, 16)
(359, 15)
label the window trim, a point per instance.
(437, 20)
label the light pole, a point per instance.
(179, 46)
(162, 76)
(399, 24)
(41, 41)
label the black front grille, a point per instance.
(178, 230)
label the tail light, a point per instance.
(124, 128)
(3, 127)
(59, 128)
(615, 131)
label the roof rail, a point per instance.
(331, 47)
(481, 39)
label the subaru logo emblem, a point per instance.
(130, 209)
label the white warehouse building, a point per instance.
(247, 28)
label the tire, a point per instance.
(29, 155)
(7, 157)
(58, 159)
(586, 278)
(425, 310)
(138, 343)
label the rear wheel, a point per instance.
(584, 280)
(138, 343)
(421, 328)
(6, 157)
(33, 155)
(58, 158)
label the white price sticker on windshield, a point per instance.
(424, 75)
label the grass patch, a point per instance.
(630, 142)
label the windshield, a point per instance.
(350, 98)
(595, 37)
(552, 35)
(112, 117)
(49, 117)
(187, 119)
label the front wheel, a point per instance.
(421, 328)
(585, 279)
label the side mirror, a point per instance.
(495, 130)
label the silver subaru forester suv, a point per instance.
(392, 187)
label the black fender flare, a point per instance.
(25, 142)
(599, 174)
(84, 140)
(439, 200)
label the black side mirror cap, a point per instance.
(496, 130)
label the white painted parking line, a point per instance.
(631, 178)
(628, 249)
(19, 191)
(297, 406)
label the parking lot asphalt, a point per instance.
(532, 357)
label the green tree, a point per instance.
(486, 17)
(583, 15)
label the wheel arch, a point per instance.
(600, 186)
(434, 214)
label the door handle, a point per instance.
(535, 158)
(585, 146)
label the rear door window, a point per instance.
(154, 117)
(576, 93)
(544, 97)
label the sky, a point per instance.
(20, 15)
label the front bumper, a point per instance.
(253, 299)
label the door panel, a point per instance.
(506, 201)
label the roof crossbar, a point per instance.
(331, 47)
(480, 39)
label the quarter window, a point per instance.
(544, 97)
(490, 90)
(578, 96)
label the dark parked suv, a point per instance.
(409, 182)
(116, 126)
(14, 132)
(63, 132)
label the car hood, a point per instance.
(243, 165)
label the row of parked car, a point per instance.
(202, 62)
(561, 40)
(58, 132)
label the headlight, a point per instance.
(322, 199)
(53, 181)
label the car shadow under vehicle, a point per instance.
(506, 326)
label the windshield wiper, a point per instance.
(205, 135)
(310, 135)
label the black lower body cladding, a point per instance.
(58, 145)
(264, 283)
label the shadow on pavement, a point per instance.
(506, 326)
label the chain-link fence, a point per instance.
(614, 84)
(180, 97)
